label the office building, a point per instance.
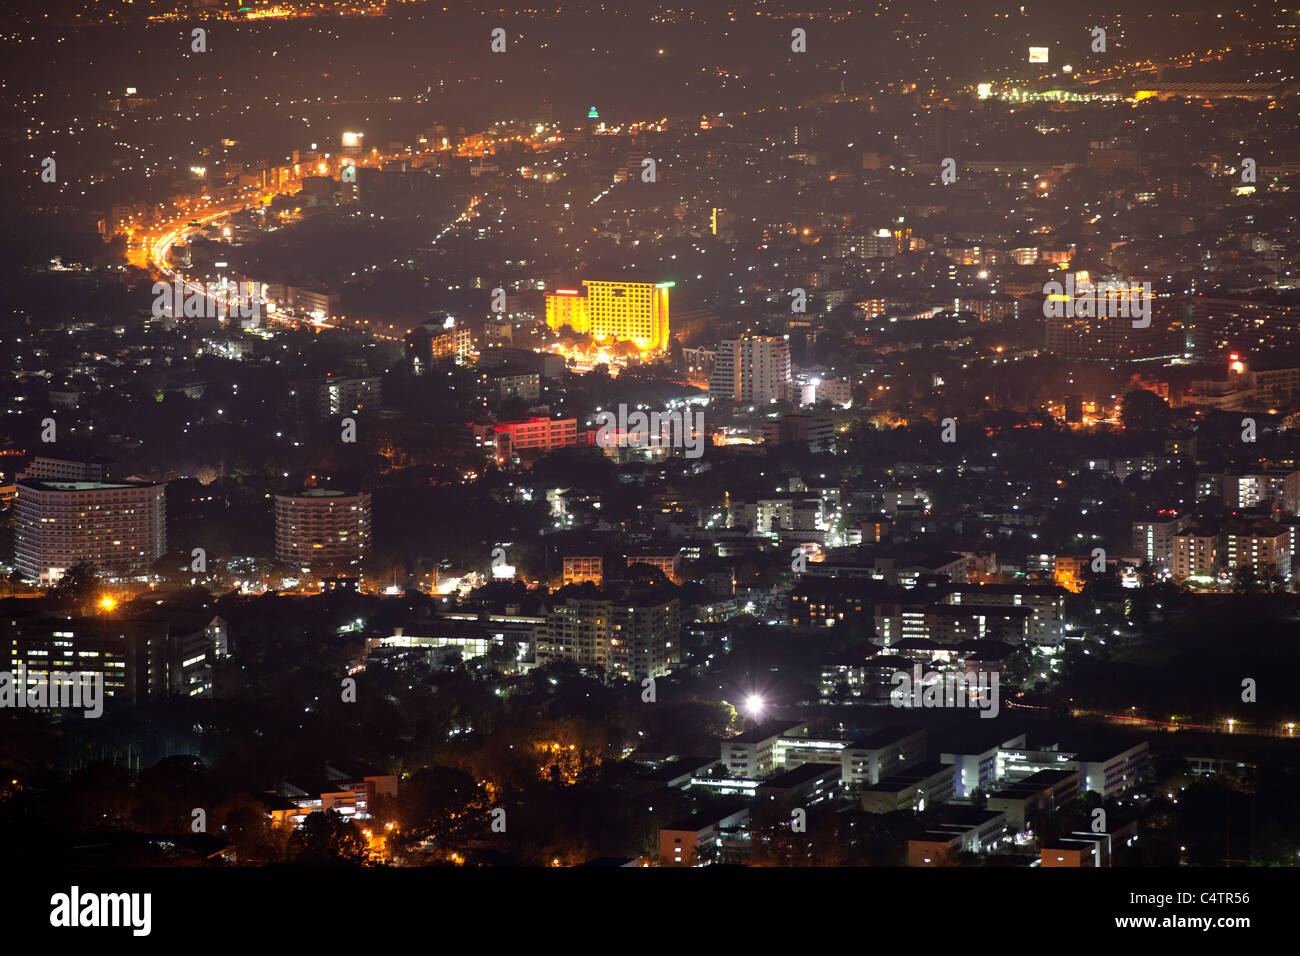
(1114, 772)
(966, 830)
(1044, 790)
(710, 836)
(923, 785)
(977, 765)
(804, 786)
(150, 655)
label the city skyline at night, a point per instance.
(438, 436)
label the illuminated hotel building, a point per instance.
(567, 307)
(634, 312)
(117, 527)
(322, 527)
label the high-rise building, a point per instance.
(432, 343)
(567, 307)
(313, 401)
(865, 245)
(116, 527)
(1074, 331)
(347, 396)
(1276, 487)
(632, 637)
(817, 433)
(1196, 553)
(322, 527)
(642, 638)
(752, 369)
(1217, 325)
(1263, 545)
(634, 312)
(1153, 539)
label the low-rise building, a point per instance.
(924, 785)
(1046, 790)
(710, 836)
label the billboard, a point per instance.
(1038, 54)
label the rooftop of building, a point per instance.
(51, 484)
(975, 741)
(609, 862)
(1102, 754)
(680, 767)
(763, 731)
(857, 654)
(909, 777)
(706, 817)
(800, 775)
(315, 493)
(1034, 783)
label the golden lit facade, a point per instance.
(567, 307)
(635, 312)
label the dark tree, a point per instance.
(78, 584)
(1144, 411)
(327, 839)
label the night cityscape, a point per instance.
(438, 437)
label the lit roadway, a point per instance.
(1182, 61)
(156, 254)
